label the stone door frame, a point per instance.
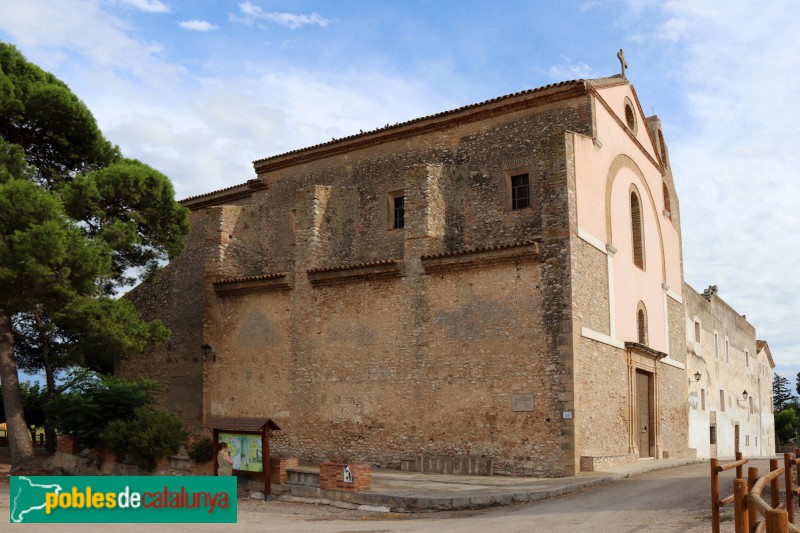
(641, 358)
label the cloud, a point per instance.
(732, 159)
(87, 31)
(206, 139)
(252, 14)
(568, 70)
(148, 6)
(197, 25)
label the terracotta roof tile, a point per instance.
(250, 278)
(427, 117)
(482, 249)
(248, 183)
(356, 265)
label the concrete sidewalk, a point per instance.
(397, 491)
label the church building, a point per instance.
(500, 283)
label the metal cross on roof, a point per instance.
(622, 62)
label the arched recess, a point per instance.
(620, 162)
(641, 324)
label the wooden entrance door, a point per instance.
(643, 418)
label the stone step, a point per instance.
(303, 477)
(441, 464)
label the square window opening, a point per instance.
(399, 213)
(520, 191)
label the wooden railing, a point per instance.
(752, 514)
(716, 502)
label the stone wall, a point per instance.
(369, 343)
(176, 297)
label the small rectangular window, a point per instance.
(722, 401)
(752, 405)
(399, 212)
(716, 346)
(713, 434)
(520, 192)
(702, 399)
(727, 351)
(696, 331)
(747, 440)
(747, 358)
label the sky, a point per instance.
(199, 89)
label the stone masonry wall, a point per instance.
(175, 296)
(422, 363)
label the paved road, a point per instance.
(675, 499)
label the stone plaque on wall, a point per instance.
(522, 402)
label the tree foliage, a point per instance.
(201, 450)
(33, 400)
(148, 436)
(797, 383)
(77, 222)
(781, 393)
(86, 411)
(786, 424)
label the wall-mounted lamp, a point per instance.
(207, 350)
(697, 376)
(745, 395)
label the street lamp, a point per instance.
(745, 395)
(207, 351)
(697, 376)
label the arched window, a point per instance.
(637, 230)
(630, 116)
(662, 147)
(641, 323)
(667, 205)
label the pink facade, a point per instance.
(632, 164)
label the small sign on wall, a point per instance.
(567, 415)
(347, 475)
(522, 402)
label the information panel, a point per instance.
(245, 451)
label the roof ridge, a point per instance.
(389, 127)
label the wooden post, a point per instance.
(265, 459)
(787, 464)
(774, 486)
(740, 514)
(714, 496)
(777, 521)
(215, 444)
(796, 455)
(740, 468)
(752, 477)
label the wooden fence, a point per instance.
(751, 513)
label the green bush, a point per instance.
(149, 436)
(84, 413)
(202, 450)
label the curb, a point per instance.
(384, 503)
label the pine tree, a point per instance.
(77, 222)
(781, 393)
